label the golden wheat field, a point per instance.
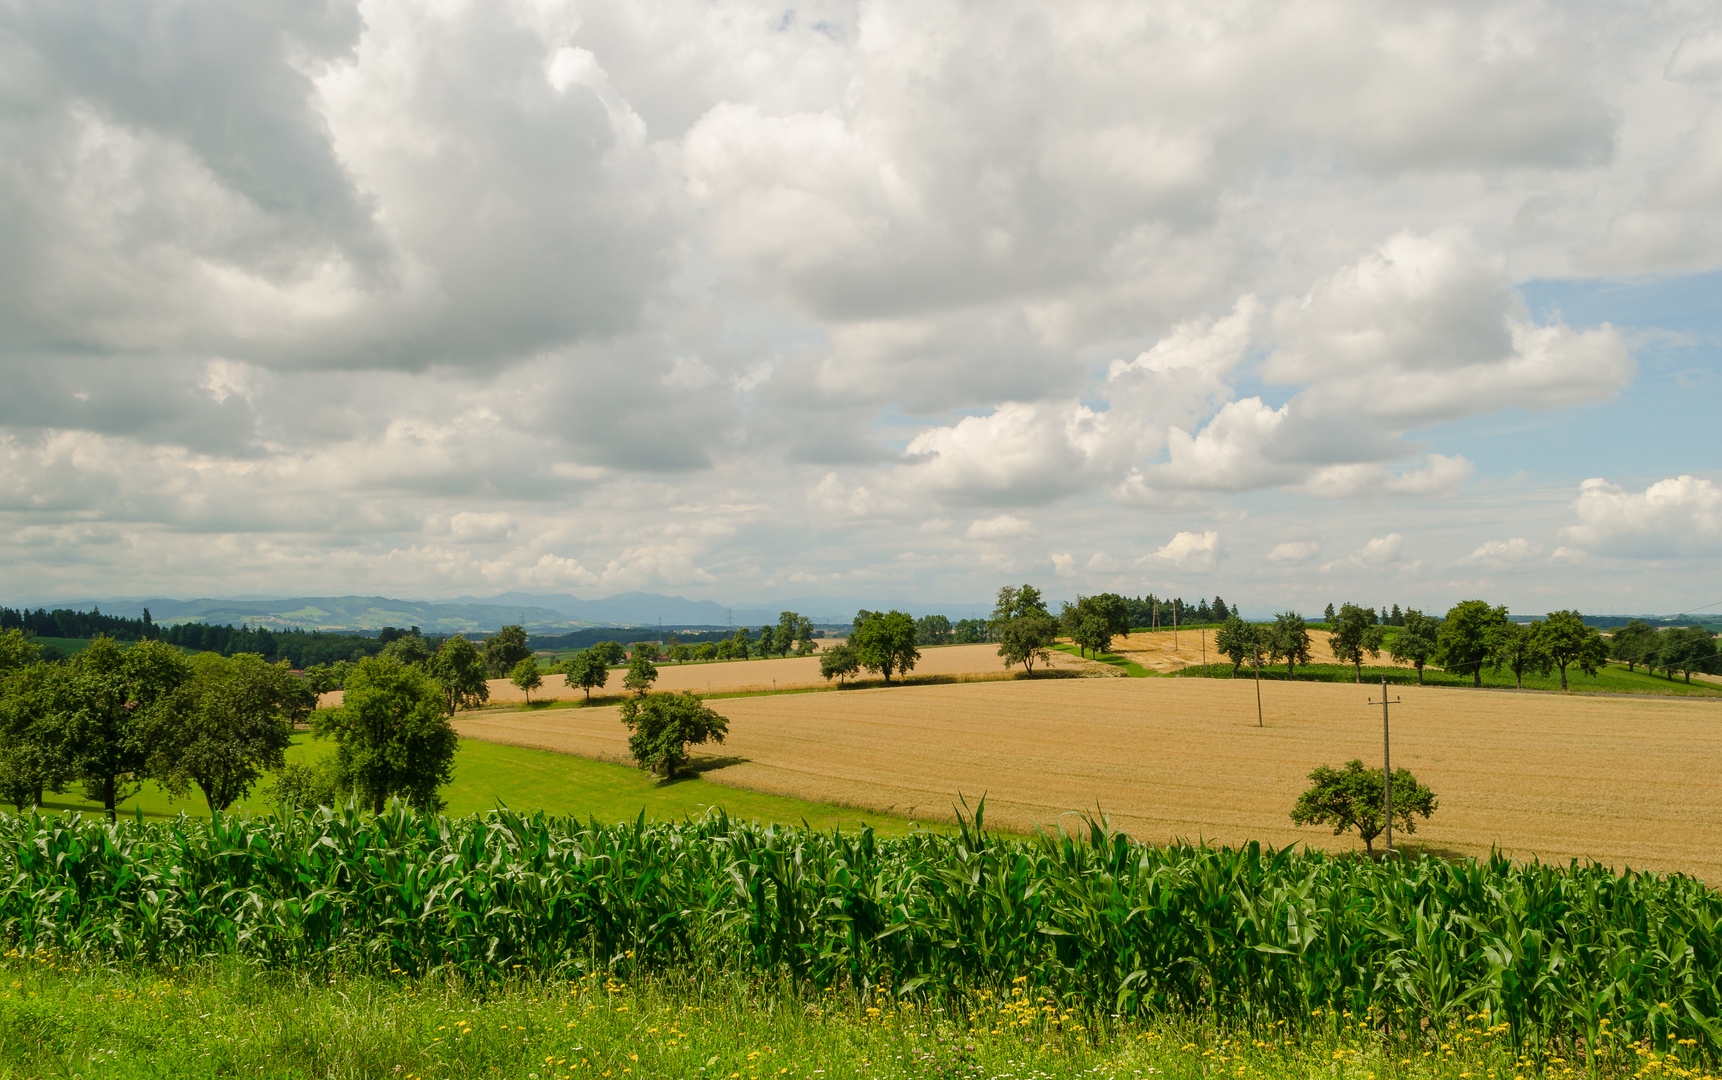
(1624, 781)
(788, 673)
(1168, 650)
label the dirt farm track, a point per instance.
(1624, 781)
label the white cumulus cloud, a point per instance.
(1677, 517)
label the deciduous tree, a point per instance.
(611, 652)
(1633, 644)
(527, 676)
(642, 673)
(110, 710)
(504, 649)
(839, 662)
(1517, 649)
(932, 630)
(1288, 640)
(793, 629)
(1565, 640)
(1023, 627)
(1686, 650)
(1354, 797)
(1467, 639)
(884, 641)
(1416, 643)
(31, 758)
(459, 669)
(588, 671)
(1354, 634)
(663, 726)
(392, 735)
(1238, 641)
(236, 723)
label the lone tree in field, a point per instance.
(1355, 633)
(1417, 641)
(588, 671)
(392, 735)
(1352, 798)
(1565, 639)
(884, 641)
(665, 725)
(528, 676)
(458, 667)
(1023, 627)
(1288, 640)
(839, 662)
(642, 673)
(504, 649)
(1467, 638)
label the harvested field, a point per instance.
(1162, 650)
(788, 673)
(1621, 781)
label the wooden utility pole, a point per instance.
(1386, 764)
(1256, 655)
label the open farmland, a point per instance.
(1620, 780)
(1166, 651)
(979, 662)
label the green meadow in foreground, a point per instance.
(487, 775)
(221, 1018)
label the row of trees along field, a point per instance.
(112, 717)
(1471, 637)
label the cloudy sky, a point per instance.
(1394, 302)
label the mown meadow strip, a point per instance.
(1560, 959)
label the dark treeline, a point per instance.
(1151, 611)
(65, 623)
(300, 648)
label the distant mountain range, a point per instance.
(470, 614)
(345, 613)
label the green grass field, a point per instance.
(487, 775)
(1130, 667)
(1609, 680)
(228, 1019)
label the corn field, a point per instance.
(1247, 936)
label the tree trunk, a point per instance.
(108, 786)
(1563, 676)
(1419, 674)
(1358, 666)
(1477, 677)
(378, 809)
(38, 794)
(1369, 846)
